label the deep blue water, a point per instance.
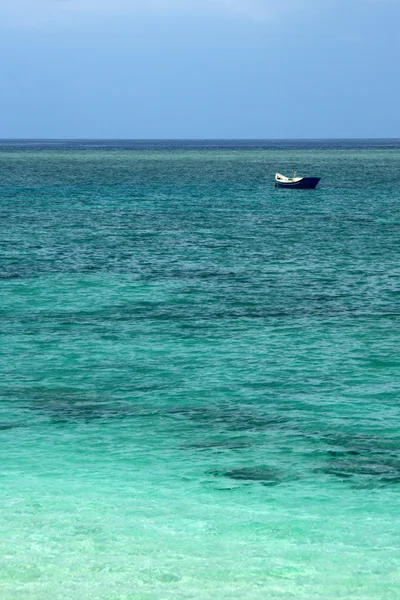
(318, 144)
(200, 373)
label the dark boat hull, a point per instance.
(306, 183)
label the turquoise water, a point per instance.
(199, 373)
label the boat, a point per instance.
(302, 183)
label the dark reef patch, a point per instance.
(365, 469)
(231, 417)
(261, 474)
(8, 426)
(65, 405)
(363, 458)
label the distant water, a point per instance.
(200, 390)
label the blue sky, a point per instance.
(199, 68)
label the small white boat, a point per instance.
(303, 183)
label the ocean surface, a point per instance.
(200, 374)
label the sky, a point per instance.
(222, 69)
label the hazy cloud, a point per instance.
(30, 11)
(251, 9)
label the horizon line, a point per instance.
(196, 139)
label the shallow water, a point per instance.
(200, 389)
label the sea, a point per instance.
(200, 373)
